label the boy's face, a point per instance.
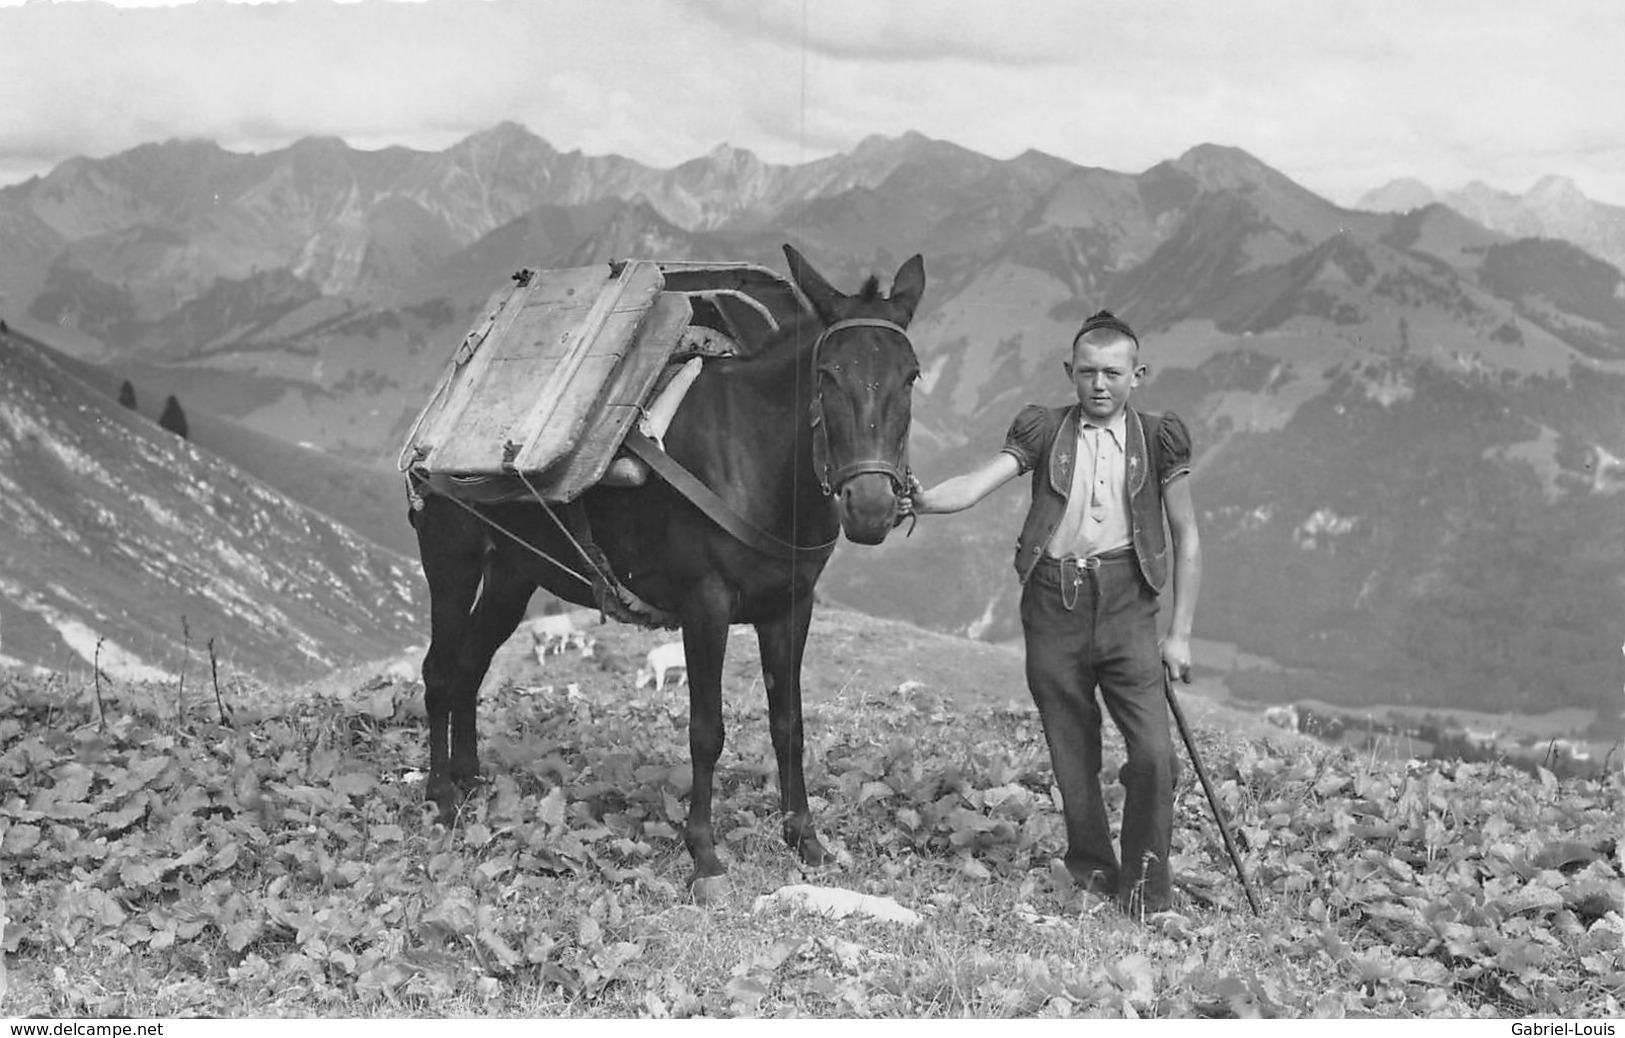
(1104, 371)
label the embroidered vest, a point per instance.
(1052, 482)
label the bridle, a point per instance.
(820, 439)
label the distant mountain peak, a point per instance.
(197, 145)
(1038, 155)
(319, 143)
(1398, 196)
(1479, 189)
(505, 130)
(504, 136)
(1225, 167)
(506, 153)
(1555, 187)
(873, 143)
(728, 156)
(908, 143)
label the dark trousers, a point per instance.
(1097, 627)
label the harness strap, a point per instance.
(718, 510)
(493, 524)
(614, 598)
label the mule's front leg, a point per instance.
(783, 641)
(705, 640)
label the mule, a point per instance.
(804, 440)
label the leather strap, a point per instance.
(815, 417)
(718, 510)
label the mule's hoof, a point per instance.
(815, 855)
(444, 801)
(710, 889)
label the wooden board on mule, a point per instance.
(550, 381)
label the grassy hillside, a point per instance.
(158, 862)
(366, 495)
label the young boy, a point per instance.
(1092, 559)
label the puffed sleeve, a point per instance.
(1174, 448)
(1025, 440)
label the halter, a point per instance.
(820, 443)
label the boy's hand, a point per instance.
(907, 505)
(916, 496)
(1176, 656)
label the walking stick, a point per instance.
(1207, 787)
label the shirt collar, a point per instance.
(1118, 426)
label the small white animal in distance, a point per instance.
(661, 660)
(1560, 748)
(1283, 717)
(553, 634)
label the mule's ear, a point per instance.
(907, 287)
(819, 292)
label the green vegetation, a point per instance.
(159, 862)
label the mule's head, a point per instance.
(863, 374)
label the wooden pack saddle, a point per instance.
(540, 394)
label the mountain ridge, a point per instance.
(1298, 338)
(1552, 207)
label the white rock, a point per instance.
(839, 903)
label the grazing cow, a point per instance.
(1560, 749)
(1480, 738)
(662, 658)
(1283, 717)
(553, 634)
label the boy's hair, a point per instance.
(1105, 320)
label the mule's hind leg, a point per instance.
(783, 641)
(504, 593)
(451, 544)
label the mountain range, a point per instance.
(1554, 207)
(1408, 423)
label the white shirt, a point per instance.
(1096, 516)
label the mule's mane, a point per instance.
(870, 291)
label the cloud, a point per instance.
(1011, 35)
(1339, 96)
(85, 77)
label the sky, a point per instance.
(1341, 95)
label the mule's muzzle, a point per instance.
(867, 505)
